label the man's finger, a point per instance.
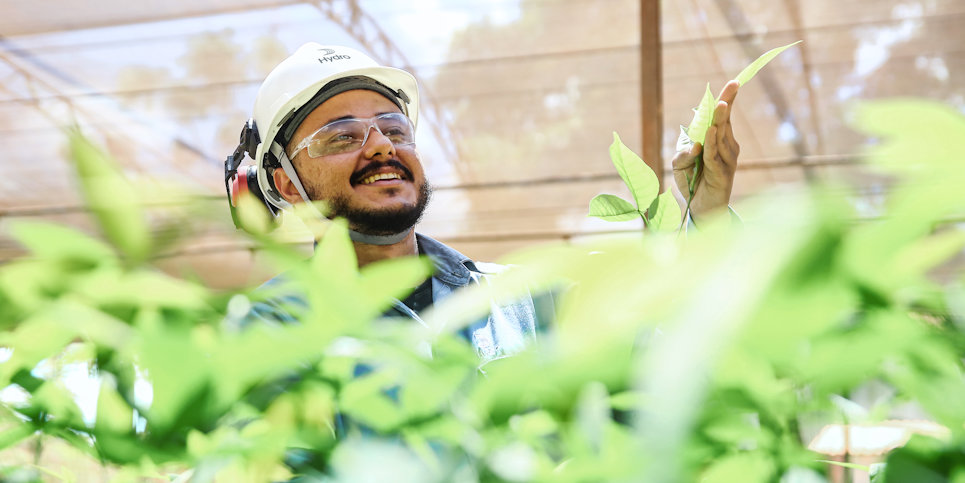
(710, 148)
(730, 140)
(729, 92)
(721, 114)
(686, 159)
(725, 147)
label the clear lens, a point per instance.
(348, 135)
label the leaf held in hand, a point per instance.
(750, 71)
(703, 117)
(704, 113)
(684, 142)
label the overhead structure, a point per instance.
(351, 16)
(521, 96)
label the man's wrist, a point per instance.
(734, 218)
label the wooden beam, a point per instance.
(651, 85)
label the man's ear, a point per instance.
(285, 186)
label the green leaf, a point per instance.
(112, 199)
(58, 402)
(50, 241)
(664, 213)
(334, 254)
(627, 400)
(740, 467)
(113, 414)
(842, 464)
(44, 334)
(751, 70)
(636, 174)
(612, 208)
(532, 425)
(419, 445)
(694, 337)
(365, 400)
(242, 360)
(111, 285)
(704, 114)
(393, 278)
(732, 428)
(253, 215)
(918, 138)
(703, 117)
(12, 436)
(331, 283)
(916, 141)
(593, 413)
(925, 460)
(926, 253)
(176, 365)
(28, 286)
(426, 392)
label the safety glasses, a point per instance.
(347, 135)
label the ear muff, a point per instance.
(243, 179)
(245, 182)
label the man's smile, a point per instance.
(391, 172)
(381, 177)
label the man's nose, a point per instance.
(377, 144)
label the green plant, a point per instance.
(661, 211)
(671, 360)
(657, 211)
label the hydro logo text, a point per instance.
(333, 58)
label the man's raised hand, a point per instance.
(721, 150)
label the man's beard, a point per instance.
(377, 222)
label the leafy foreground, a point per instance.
(670, 360)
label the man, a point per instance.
(332, 125)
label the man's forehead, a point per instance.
(352, 104)
(356, 88)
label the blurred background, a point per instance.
(520, 98)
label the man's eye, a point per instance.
(341, 138)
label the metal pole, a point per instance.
(651, 85)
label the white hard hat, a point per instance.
(294, 83)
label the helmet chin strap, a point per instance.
(378, 239)
(356, 236)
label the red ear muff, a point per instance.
(245, 182)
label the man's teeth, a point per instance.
(379, 177)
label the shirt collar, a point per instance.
(451, 266)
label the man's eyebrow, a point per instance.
(342, 118)
(339, 119)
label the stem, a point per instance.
(692, 182)
(698, 165)
(38, 449)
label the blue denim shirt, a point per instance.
(506, 330)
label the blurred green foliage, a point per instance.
(671, 360)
